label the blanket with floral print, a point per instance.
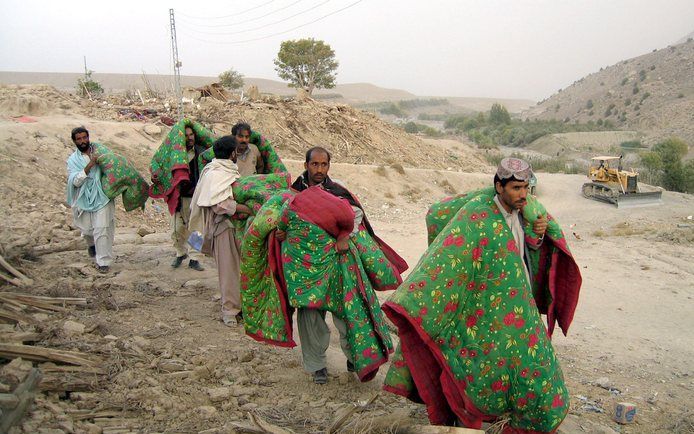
(169, 165)
(120, 178)
(473, 346)
(306, 271)
(273, 162)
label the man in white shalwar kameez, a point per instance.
(93, 212)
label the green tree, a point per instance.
(231, 79)
(499, 115)
(671, 152)
(87, 86)
(652, 165)
(307, 64)
(411, 128)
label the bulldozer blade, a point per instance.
(634, 200)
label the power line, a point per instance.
(264, 25)
(278, 33)
(249, 20)
(236, 14)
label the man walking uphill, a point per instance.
(473, 346)
(93, 212)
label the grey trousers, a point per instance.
(180, 232)
(315, 338)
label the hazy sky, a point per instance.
(487, 48)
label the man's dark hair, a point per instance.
(224, 146)
(241, 126)
(316, 149)
(76, 131)
(505, 181)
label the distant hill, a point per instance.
(652, 94)
(349, 93)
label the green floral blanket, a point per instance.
(306, 271)
(473, 346)
(273, 162)
(120, 178)
(169, 165)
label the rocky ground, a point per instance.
(157, 358)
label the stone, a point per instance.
(92, 428)
(206, 412)
(152, 130)
(16, 371)
(603, 382)
(144, 231)
(219, 394)
(245, 356)
(141, 342)
(73, 328)
(249, 406)
(171, 365)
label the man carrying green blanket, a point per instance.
(473, 346)
(332, 262)
(96, 176)
(175, 172)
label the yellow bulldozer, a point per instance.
(611, 184)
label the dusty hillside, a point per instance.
(353, 136)
(163, 362)
(583, 145)
(652, 93)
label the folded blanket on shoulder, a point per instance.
(120, 178)
(306, 271)
(169, 165)
(273, 162)
(473, 346)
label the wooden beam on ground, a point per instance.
(19, 337)
(34, 303)
(40, 354)
(25, 280)
(60, 301)
(12, 316)
(25, 396)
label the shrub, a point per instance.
(625, 80)
(635, 90)
(627, 102)
(231, 79)
(680, 95)
(589, 104)
(642, 75)
(631, 144)
(88, 87)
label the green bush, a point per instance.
(392, 109)
(663, 166)
(589, 104)
(625, 80)
(88, 87)
(632, 144)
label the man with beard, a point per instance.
(314, 334)
(248, 157)
(179, 221)
(473, 346)
(93, 212)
